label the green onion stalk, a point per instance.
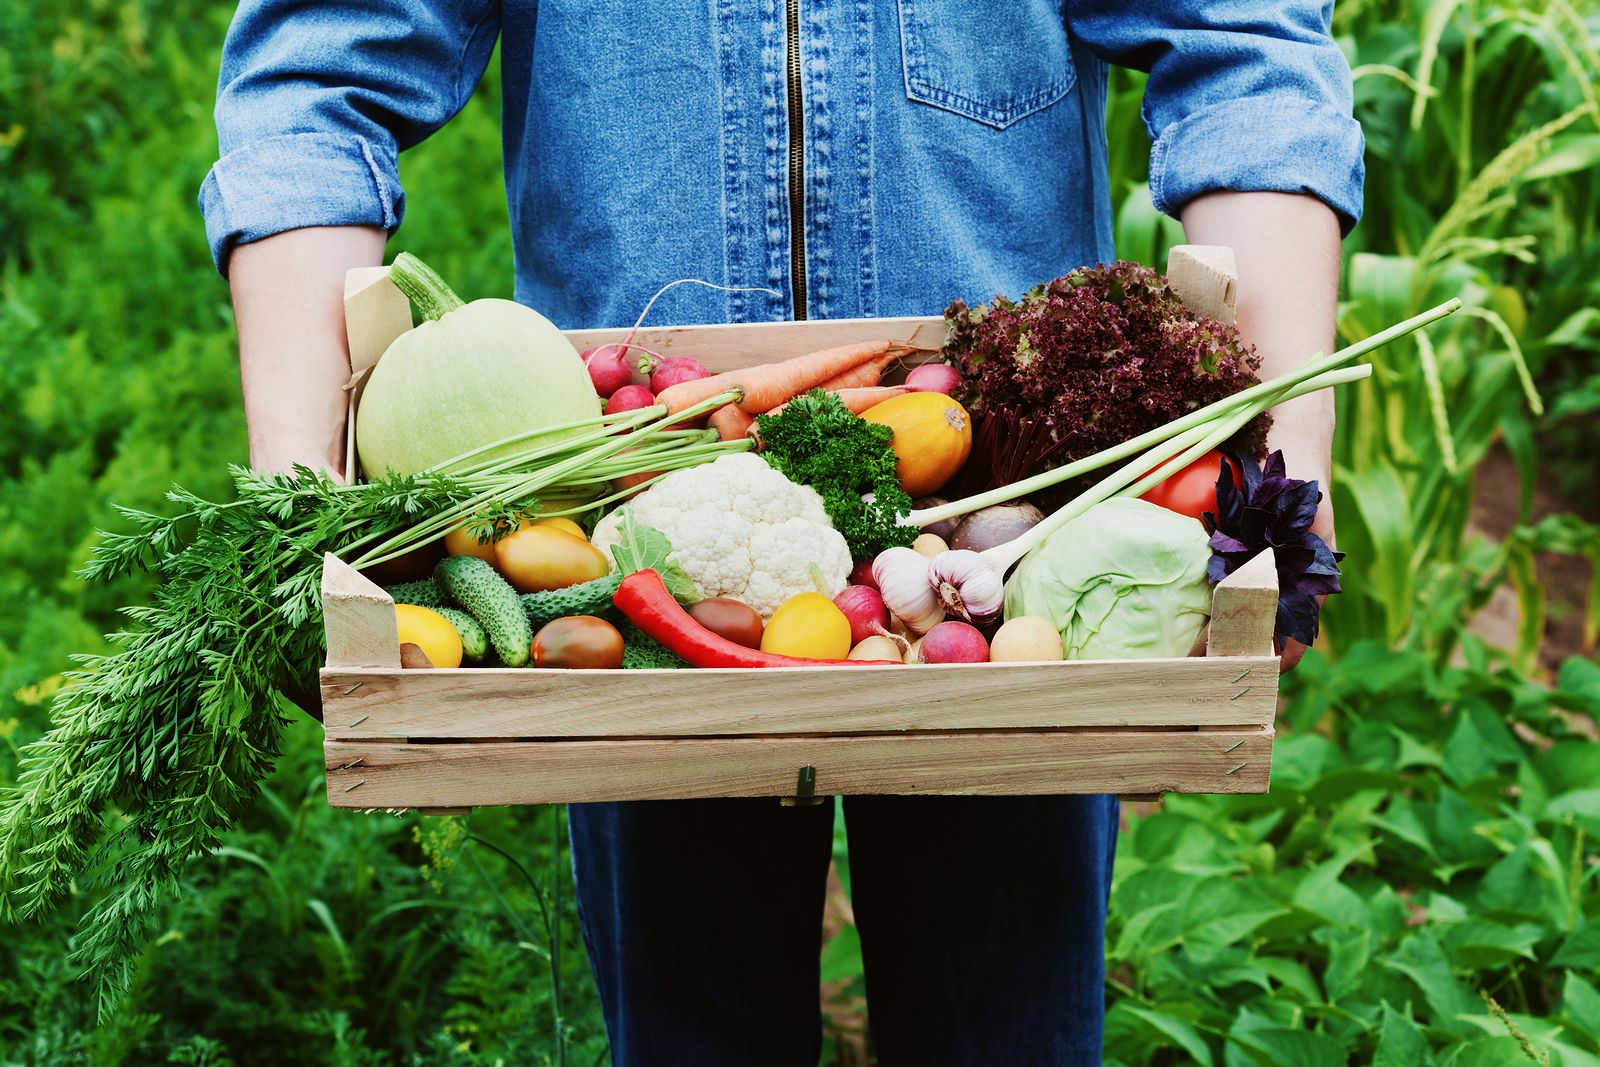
(640, 442)
(1159, 453)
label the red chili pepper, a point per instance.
(644, 599)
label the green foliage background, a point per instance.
(1420, 884)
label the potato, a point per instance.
(1026, 639)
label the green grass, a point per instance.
(1418, 887)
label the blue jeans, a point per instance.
(982, 923)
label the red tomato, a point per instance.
(582, 641)
(737, 622)
(1193, 490)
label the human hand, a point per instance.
(1304, 433)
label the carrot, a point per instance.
(862, 374)
(729, 422)
(687, 394)
(858, 400)
(770, 384)
(767, 387)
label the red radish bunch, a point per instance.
(665, 372)
(608, 368)
(629, 398)
(611, 372)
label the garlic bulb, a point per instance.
(903, 579)
(967, 585)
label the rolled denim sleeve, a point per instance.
(1241, 96)
(316, 101)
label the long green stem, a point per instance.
(459, 465)
(1156, 465)
(526, 487)
(1310, 369)
(427, 292)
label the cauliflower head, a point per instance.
(742, 530)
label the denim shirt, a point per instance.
(943, 148)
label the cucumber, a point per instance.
(488, 598)
(424, 594)
(585, 598)
(474, 642)
(640, 652)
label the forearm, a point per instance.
(288, 302)
(1287, 248)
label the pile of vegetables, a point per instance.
(768, 517)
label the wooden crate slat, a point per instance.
(504, 702)
(743, 344)
(392, 774)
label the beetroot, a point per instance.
(953, 642)
(608, 368)
(944, 528)
(629, 398)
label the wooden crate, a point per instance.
(455, 739)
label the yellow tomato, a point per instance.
(808, 625)
(459, 542)
(536, 558)
(561, 522)
(431, 632)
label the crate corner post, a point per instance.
(358, 618)
(1244, 610)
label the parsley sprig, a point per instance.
(819, 442)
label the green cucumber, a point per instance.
(585, 598)
(424, 594)
(641, 652)
(488, 598)
(474, 642)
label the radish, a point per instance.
(934, 378)
(629, 398)
(673, 370)
(864, 607)
(953, 642)
(652, 363)
(608, 368)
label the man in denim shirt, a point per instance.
(861, 158)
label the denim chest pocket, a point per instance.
(995, 63)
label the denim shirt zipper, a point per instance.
(797, 161)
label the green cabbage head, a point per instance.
(1124, 580)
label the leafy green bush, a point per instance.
(1419, 885)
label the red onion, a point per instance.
(953, 642)
(608, 368)
(629, 398)
(934, 378)
(864, 607)
(861, 574)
